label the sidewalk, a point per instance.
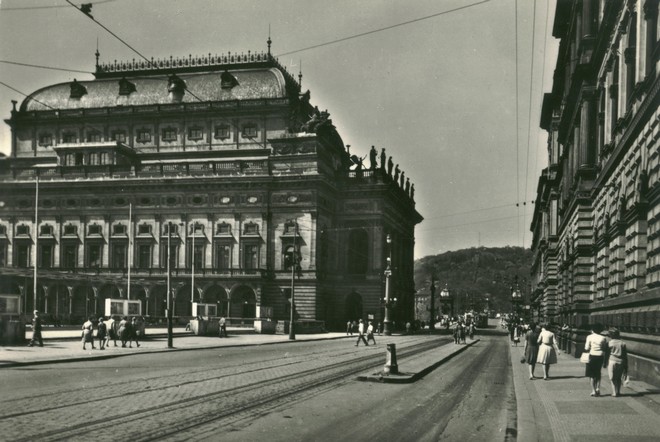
(561, 408)
(66, 345)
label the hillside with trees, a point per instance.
(477, 278)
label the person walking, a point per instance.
(36, 330)
(361, 334)
(617, 364)
(596, 345)
(88, 333)
(532, 348)
(122, 331)
(370, 333)
(548, 350)
(112, 332)
(222, 326)
(349, 329)
(134, 330)
(101, 333)
(457, 332)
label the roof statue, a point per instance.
(401, 179)
(383, 158)
(397, 171)
(390, 165)
(318, 121)
(373, 155)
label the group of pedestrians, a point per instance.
(599, 352)
(463, 330)
(369, 333)
(125, 330)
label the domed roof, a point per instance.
(249, 84)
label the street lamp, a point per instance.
(445, 297)
(388, 274)
(169, 288)
(516, 297)
(432, 324)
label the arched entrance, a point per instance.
(82, 304)
(182, 305)
(57, 303)
(243, 303)
(158, 301)
(353, 306)
(217, 295)
(139, 294)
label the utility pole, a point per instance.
(169, 287)
(294, 264)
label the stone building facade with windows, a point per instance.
(222, 162)
(596, 225)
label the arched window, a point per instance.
(358, 252)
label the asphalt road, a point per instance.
(299, 391)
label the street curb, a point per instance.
(13, 364)
(404, 378)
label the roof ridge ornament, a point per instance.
(227, 80)
(77, 89)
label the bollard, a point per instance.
(391, 367)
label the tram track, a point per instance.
(187, 409)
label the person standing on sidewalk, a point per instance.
(36, 330)
(596, 345)
(101, 333)
(548, 350)
(134, 332)
(88, 333)
(617, 364)
(112, 332)
(361, 334)
(222, 326)
(532, 347)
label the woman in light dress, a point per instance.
(548, 350)
(596, 345)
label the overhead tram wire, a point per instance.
(362, 34)
(529, 118)
(517, 120)
(29, 8)
(38, 66)
(88, 15)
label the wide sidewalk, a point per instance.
(561, 408)
(65, 345)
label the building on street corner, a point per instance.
(219, 162)
(596, 226)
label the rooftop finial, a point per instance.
(97, 53)
(269, 41)
(300, 73)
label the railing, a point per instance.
(55, 271)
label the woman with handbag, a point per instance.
(596, 345)
(548, 350)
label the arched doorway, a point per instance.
(82, 304)
(182, 305)
(217, 295)
(158, 301)
(243, 303)
(353, 306)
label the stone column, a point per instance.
(588, 128)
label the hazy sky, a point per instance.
(439, 93)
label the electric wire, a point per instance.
(517, 118)
(39, 66)
(529, 117)
(27, 8)
(374, 31)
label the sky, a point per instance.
(452, 89)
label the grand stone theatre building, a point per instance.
(597, 219)
(224, 159)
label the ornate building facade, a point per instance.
(220, 163)
(596, 226)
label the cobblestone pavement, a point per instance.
(162, 402)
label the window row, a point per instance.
(119, 252)
(222, 229)
(145, 135)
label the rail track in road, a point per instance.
(172, 405)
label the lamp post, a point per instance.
(388, 274)
(445, 296)
(294, 264)
(169, 289)
(432, 324)
(516, 296)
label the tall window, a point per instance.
(144, 256)
(197, 252)
(174, 250)
(119, 136)
(22, 255)
(291, 257)
(250, 256)
(143, 136)
(94, 255)
(46, 256)
(69, 256)
(195, 133)
(221, 132)
(119, 260)
(249, 131)
(223, 256)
